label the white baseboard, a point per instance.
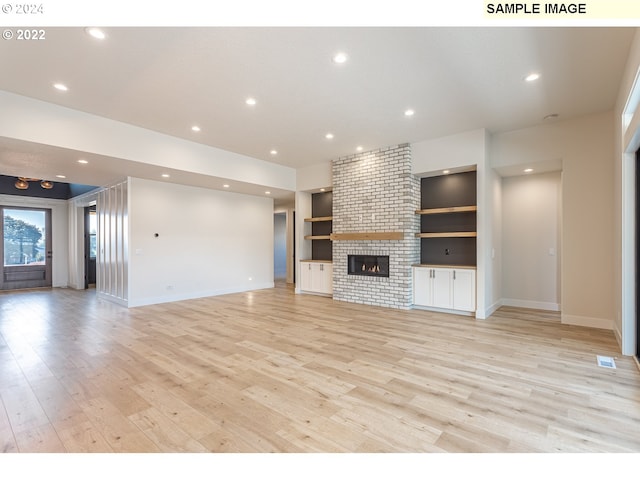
(192, 295)
(592, 322)
(489, 311)
(513, 302)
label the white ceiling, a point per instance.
(456, 79)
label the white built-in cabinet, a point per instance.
(316, 277)
(444, 288)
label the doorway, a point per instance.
(90, 245)
(280, 247)
(26, 255)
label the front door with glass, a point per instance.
(26, 255)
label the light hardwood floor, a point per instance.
(271, 371)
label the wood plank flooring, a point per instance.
(271, 371)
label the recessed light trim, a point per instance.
(95, 33)
(340, 58)
(532, 77)
(61, 87)
(250, 101)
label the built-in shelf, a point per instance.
(448, 219)
(447, 235)
(435, 211)
(317, 237)
(368, 236)
(318, 219)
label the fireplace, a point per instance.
(368, 265)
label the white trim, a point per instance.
(443, 310)
(491, 310)
(591, 322)
(514, 302)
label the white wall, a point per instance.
(60, 232)
(624, 205)
(453, 151)
(314, 177)
(530, 241)
(584, 145)
(208, 242)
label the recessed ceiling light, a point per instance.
(532, 77)
(225, 185)
(329, 136)
(528, 170)
(96, 33)
(267, 192)
(60, 86)
(273, 152)
(359, 148)
(61, 176)
(322, 189)
(83, 161)
(340, 57)
(446, 171)
(250, 101)
(409, 113)
(195, 128)
(165, 175)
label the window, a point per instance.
(24, 236)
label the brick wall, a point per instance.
(376, 192)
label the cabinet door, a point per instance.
(442, 286)
(305, 276)
(422, 286)
(464, 290)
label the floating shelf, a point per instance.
(318, 219)
(368, 236)
(447, 235)
(435, 211)
(317, 237)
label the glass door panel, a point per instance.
(26, 248)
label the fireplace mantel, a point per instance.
(368, 236)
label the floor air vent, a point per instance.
(606, 362)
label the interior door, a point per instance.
(26, 255)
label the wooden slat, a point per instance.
(436, 211)
(318, 219)
(317, 237)
(447, 235)
(368, 236)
